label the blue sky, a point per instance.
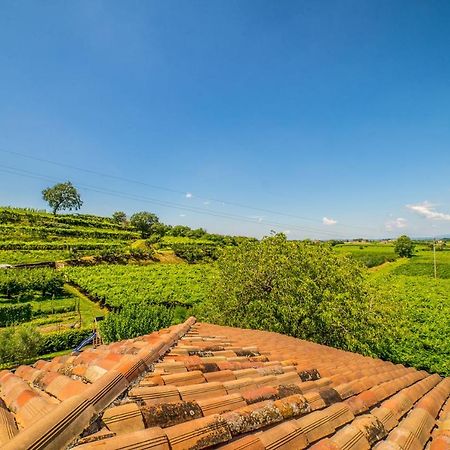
(223, 114)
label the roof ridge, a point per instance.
(69, 419)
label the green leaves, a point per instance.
(135, 320)
(14, 282)
(62, 196)
(302, 289)
(404, 247)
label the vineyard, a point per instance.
(127, 278)
(424, 309)
(169, 284)
(39, 297)
(30, 236)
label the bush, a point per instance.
(133, 320)
(15, 314)
(19, 344)
(62, 340)
(404, 247)
(304, 290)
(195, 253)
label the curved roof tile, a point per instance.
(199, 386)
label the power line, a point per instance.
(175, 191)
(172, 205)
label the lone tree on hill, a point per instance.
(144, 221)
(404, 247)
(62, 196)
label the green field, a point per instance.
(369, 254)
(115, 285)
(423, 303)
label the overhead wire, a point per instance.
(168, 204)
(175, 191)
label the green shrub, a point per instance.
(53, 310)
(195, 253)
(63, 340)
(304, 290)
(18, 344)
(135, 320)
(15, 314)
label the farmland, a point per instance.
(39, 297)
(171, 284)
(369, 254)
(30, 236)
(43, 298)
(424, 308)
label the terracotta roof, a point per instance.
(197, 385)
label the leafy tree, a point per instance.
(180, 230)
(17, 344)
(119, 217)
(144, 222)
(304, 290)
(404, 247)
(62, 196)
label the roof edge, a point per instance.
(57, 429)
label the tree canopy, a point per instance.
(304, 290)
(62, 196)
(119, 217)
(144, 221)
(404, 247)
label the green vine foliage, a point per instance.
(15, 314)
(135, 320)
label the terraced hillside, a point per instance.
(35, 236)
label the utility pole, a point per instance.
(434, 257)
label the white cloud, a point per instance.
(327, 221)
(207, 202)
(182, 215)
(428, 211)
(258, 218)
(399, 222)
(188, 195)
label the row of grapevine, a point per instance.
(15, 282)
(44, 231)
(115, 286)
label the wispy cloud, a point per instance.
(394, 224)
(328, 221)
(182, 215)
(258, 218)
(188, 195)
(428, 210)
(206, 202)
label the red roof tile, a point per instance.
(205, 386)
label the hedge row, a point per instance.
(63, 340)
(54, 310)
(20, 281)
(33, 217)
(77, 232)
(57, 245)
(14, 314)
(195, 253)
